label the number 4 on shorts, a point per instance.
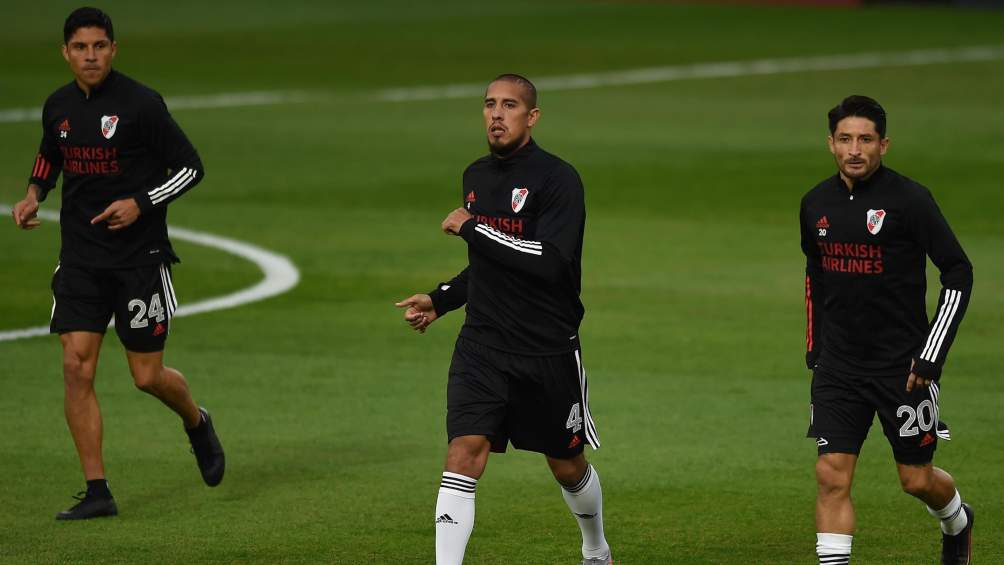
(574, 421)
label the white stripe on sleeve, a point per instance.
(940, 328)
(531, 247)
(176, 189)
(167, 185)
(517, 241)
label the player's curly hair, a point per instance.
(87, 17)
(860, 106)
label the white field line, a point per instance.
(280, 273)
(726, 69)
(222, 100)
(651, 75)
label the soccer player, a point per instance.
(123, 160)
(866, 234)
(517, 373)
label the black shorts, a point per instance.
(141, 298)
(538, 403)
(844, 405)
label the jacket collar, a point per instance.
(100, 89)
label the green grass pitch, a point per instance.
(333, 412)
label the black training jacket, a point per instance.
(119, 142)
(865, 283)
(524, 248)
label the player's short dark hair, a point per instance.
(529, 89)
(859, 106)
(87, 17)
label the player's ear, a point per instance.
(883, 146)
(829, 141)
(533, 117)
(115, 48)
(66, 54)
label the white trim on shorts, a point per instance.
(590, 427)
(170, 300)
(53, 313)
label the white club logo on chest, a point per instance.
(874, 219)
(519, 198)
(108, 126)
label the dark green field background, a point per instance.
(332, 412)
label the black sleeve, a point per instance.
(815, 292)
(940, 244)
(48, 161)
(182, 164)
(559, 231)
(449, 296)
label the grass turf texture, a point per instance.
(332, 411)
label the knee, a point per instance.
(568, 472)
(467, 455)
(568, 478)
(78, 372)
(832, 481)
(916, 482)
(146, 381)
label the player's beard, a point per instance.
(503, 150)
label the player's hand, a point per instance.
(119, 214)
(456, 219)
(419, 311)
(25, 213)
(916, 380)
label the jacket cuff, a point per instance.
(438, 297)
(44, 187)
(467, 230)
(811, 358)
(143, 201)
(926, 369)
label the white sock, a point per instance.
(833, 549)
(953, 518)
(454, 517)
(586, 502)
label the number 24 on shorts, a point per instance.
(144, 314)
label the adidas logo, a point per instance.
(159, 330)
(822, 442)
(445, 519)
(823, 223)
(470, 197)
(575, 442)
(586, 516)
(928, 439)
